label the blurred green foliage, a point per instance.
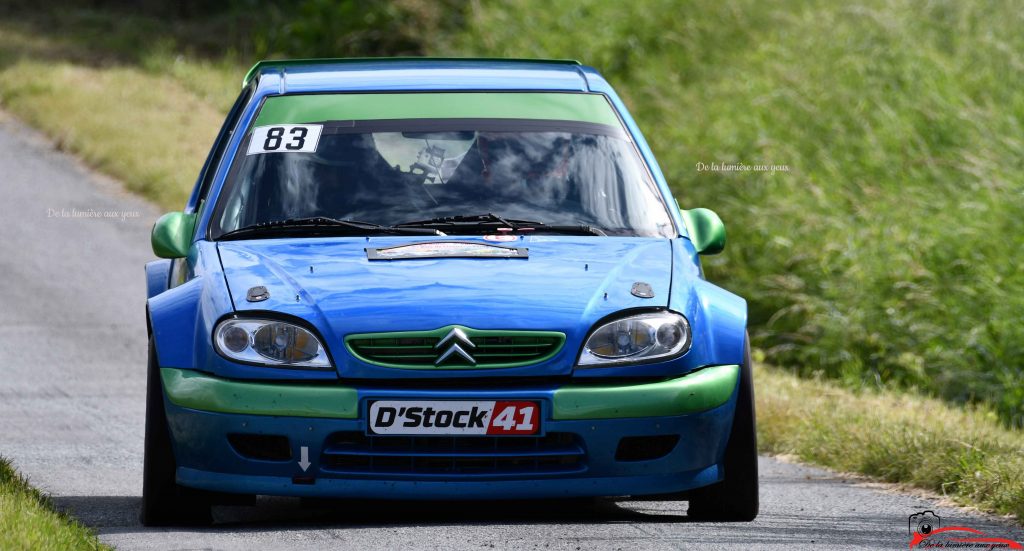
(890, 253)
(352, 28)
(250, 28)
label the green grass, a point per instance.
(889, 253)
(28, 520)
(147, 121)
(962, 453)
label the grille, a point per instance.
(358, 453)
(478, 349)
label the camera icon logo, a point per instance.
(924, 523)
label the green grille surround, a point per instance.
(493, 348)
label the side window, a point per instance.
(223, 137)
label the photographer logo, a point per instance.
(924, 523)
(926, 532)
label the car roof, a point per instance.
(411, 73)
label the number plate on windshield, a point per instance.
(284, 138)
(474, 417)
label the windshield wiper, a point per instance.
(493, 221)
(468, 220)
(570, 230)
(323, 224)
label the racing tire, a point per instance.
(164, 502)
(734, 499)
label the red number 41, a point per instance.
(513, 418)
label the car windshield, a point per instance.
(395, 171)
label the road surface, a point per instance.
(72, 382)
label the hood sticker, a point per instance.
(501, 237)
(446, 249)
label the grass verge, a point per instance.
(149, 124)
(28, 520)
(962, 453)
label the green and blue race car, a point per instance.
(440, 279)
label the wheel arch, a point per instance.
(173, 318)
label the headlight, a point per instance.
(269, 342)
(635, 339)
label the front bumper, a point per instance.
(203, 410)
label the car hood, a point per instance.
(565, 284)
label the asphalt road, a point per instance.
(72, 378)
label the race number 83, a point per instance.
(284, 138)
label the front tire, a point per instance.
(735, 498)
(164, 503)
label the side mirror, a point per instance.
(706, 230)
(172, 234)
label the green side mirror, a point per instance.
(706, 230)
(172, 234)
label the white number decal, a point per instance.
(506, 419)
(285, 138)
(527, 415)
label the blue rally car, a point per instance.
(440, 279)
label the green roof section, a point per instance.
(311, 108)
(283, 64)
